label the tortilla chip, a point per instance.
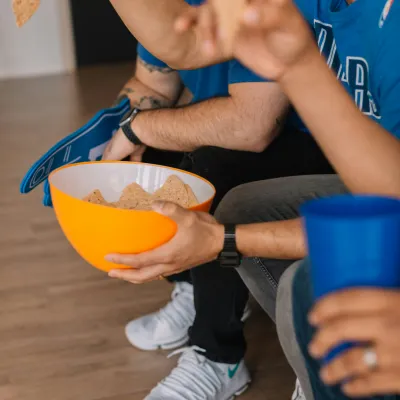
(134, 191)
(134, 197)
(173, 190)
(96, 198)
(130, 204)
(24, 10)
(192, 197)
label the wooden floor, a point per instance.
(61, 321)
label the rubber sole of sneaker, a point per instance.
(240, 391)
(146, 346)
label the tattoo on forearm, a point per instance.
(127, 90)
(147, 102)
(152, 68)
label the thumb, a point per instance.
(171, 210)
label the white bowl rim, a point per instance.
(78, 164)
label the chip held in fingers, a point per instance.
(134, 197)
(24, 10)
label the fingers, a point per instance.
(347, 365)
(265, 14)
(118, 148)
(160, 255)
(139, 276)
(351, 364)
(137, 155)
(352, 302)
(167, 253)
(356, 329)
(374, 383)
(207, 26)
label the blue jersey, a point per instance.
(208, 82)
(363, 51)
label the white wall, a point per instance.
(43, 46)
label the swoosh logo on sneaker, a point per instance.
(232, 371)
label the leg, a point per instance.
(286, 332)
(268, 201)
(220, 295)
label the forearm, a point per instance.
(219, 122)
(366, 156)
(277, 240)
(152, 23)
(143, 97)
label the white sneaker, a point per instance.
(167, 328)
(197, 378)
(298, 392)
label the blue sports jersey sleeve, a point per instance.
(387, 71)
(148, 58)
(238, 73)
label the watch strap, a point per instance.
(125, 125)
(230, 257)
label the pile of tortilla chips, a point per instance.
(24, 10)
(134, 197)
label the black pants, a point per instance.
(220, 294)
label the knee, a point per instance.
(232, 205)
(293, 302)
(252, 202)
(284, 304)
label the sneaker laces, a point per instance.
(180, 310)
(194, 378)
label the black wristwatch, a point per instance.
(230, 257)
(125, 125)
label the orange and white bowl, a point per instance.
(95, 230)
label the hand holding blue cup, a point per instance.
(353, 242)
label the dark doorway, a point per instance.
(100, 36)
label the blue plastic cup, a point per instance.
(353, 241)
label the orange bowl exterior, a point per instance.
(95, 231)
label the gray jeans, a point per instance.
(268, 201)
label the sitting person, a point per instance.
(344, 133)
(233, 131)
